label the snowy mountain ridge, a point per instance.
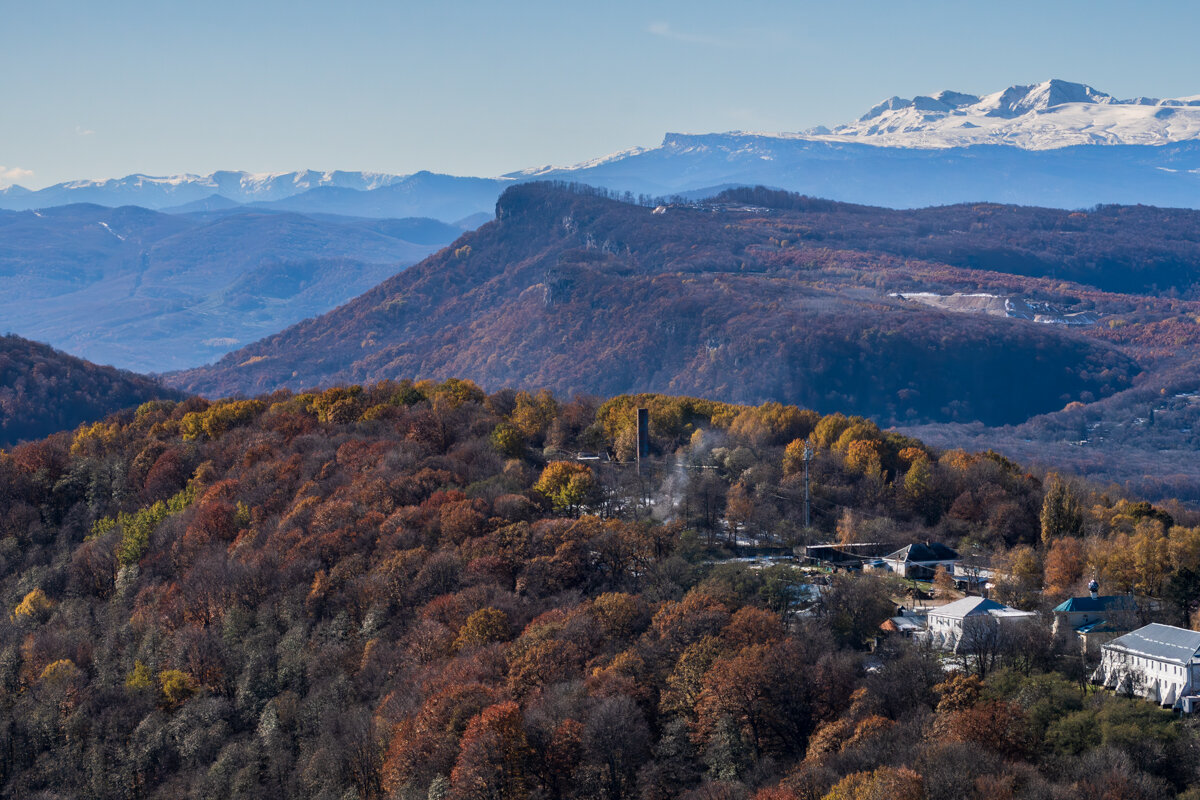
(1051, 114)
(250, 184)
(151, 191)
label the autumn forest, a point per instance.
(422, 590)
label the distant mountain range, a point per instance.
(360, 194)
(152, 291)
(1055, 144)
(159, 192)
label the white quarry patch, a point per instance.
(1000, 306)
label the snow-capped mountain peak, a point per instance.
(1017, 100)
(1054, 113)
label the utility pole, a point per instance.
(808, 454)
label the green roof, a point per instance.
(1108, 602)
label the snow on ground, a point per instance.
(110, 230)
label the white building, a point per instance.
(966, 624)
(1157, 662)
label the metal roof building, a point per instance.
(919, 560)
(1160, 642)
(1158, 662)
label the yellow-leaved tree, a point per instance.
(567, 484)
(36, 607)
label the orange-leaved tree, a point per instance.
(492, 757)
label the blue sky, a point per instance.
(481, 88)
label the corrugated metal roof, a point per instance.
(1163, 642)
(906, 624)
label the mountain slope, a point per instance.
(153, 291)
(43, 390)
(582, 294)
(424, 194)
(1124, 249)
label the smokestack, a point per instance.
(643, 433)
(1094, 589)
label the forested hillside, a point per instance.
(43, 391)
(1127, 249)
(760, 295)
(579, 293)
(418, 591)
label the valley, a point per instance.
(751, 296)
(150, 291)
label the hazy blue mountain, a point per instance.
(848, 169)
(359, 194)
(424, 194)
(473, 221)
(151, 291)
(1069, 177)
(214, 202)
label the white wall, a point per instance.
(1153, 672)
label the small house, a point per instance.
(920, 560)
(905, 626)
